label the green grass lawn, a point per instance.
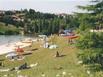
(49, 64)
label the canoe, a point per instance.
(71, 37)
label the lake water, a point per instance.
(4, 39)
(8, 43)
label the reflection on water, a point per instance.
(10, 38)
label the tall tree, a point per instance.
(94, 17)
(91, 43)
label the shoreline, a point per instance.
(7, 48)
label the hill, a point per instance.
(38, 22)
(8, 30)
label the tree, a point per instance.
(90, 40)
(37, 22)
(92, 18)
(91, 44)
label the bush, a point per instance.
(11, 32)
(91, 45)
(90, 40)
(91, 56)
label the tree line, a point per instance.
(38, 22)
(90, 44)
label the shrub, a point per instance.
(91, 45)
(90, 40)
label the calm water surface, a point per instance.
(4, 39)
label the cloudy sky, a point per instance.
(50, 6)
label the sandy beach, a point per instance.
(6, 48)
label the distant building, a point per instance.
(16, 18)
(2, 12)
(13, 14)
(62, 15)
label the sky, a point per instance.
(46, 6)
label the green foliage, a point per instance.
(92, 18)
(90, 40)
(91, 45)
(11, 32)
(92, 56)
(39, 23)
(8, 30)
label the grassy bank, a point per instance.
(48, 64)
(8, 30)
